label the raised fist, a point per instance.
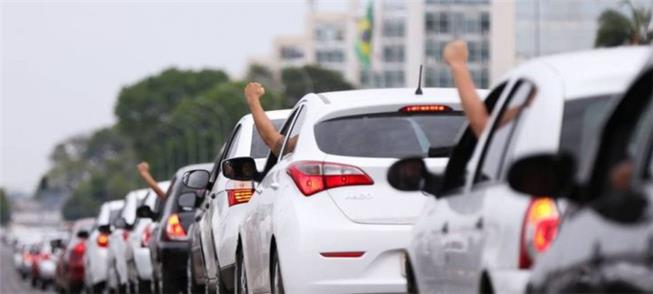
(455, 53)
(254, 91)
(143, 167)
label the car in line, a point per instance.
(606, 242)
(139, 264)
(69, 274)
(476, 234)
(323, 218)
(215, 232)
(96, 265)
(118, 241)
(170, 243)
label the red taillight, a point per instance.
(425, 108)
(103, 240)
(45, 256)
(238, 196)
(147, 235)
(346, 254)
(125, 235)
(174, 229)
(314, 176)
(79, 249)
(539, 229)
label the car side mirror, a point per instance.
(82, 234)
(196, 179)
(187, 201)
(542, 175)
(145, 211)
(241, 169)
(410, 174)
(105, 229)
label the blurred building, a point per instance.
(406, 34)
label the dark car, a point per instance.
(605, 243)
(69, 275)
(170, 242)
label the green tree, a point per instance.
(311, 79)
(5, 208)
(616, 28)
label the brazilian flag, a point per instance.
(364, 42)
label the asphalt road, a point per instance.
(10, 281)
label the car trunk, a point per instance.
(379, 203)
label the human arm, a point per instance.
(270, 135)
(144, 172)
(455, 55)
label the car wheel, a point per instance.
(240, 276)
(44, 285)
(172, 281)
(34, 282)
(191, 286)
(276, 279)
(411, 283)
(144, 287)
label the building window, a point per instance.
(485, 50)
(327, 33)
(444, 78)
(329, 56)
(393, 53)
(434, 49)
(291, 52)
(485, 22)
(474, 51)
(438, 22)
(394, 28)
(394, 78)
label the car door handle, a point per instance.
(212, 195)
(274, 186)
(479, 223)
(445, 228)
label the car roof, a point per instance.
(114, 204)
(596, 72)
(392, 95)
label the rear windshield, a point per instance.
(113, 215)
(392, 135)
(581, 121)
(259, 149)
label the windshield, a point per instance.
(392, 135)
(581, 121)
(259, 149)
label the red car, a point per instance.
(69, 274)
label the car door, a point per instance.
(257, 223)
(462, 231)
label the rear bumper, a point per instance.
(510, 281)
(143, 263)
(47, 269)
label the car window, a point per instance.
(291, 140)
(272, 158)
(259, 149)
(491, 161)
(455, 172)
(392, 135)
(233, 144)
(581, 121)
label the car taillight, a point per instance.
(426, 108)
(174, 229)
(239, 196)
(103, 240)
(79, 249)
(147, 235)
(45, 256)
(314, 176)
(125, 235)
(539, 229)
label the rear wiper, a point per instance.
(442, 151)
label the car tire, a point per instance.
(144, 287)
(276, 279)
(411, 283)
(240, 275)
(191, 286)
(220, 287)
(171, 283)
(43, 285)
(33, 282)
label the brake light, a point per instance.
(539, 229)
(147, 235)
(174, 229)
(425, 108)
(103, 240)
(125, 235)
(347, 254)
(45, 256)
(79, 248)
(239, 196)
(314, 176)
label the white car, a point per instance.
(478, 235)
(323, 218)
(118, 241)
(217, 229)
(97, 246)
(139, 265)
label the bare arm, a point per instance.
(455, 54)
(144, 171)
(270, 135)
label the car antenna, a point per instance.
(419, 82)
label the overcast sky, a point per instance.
(64, 62)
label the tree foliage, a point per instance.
(5, 208)
(298, 81)
(617, 28)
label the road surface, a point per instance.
(10, 282)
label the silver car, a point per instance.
(97, 247)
